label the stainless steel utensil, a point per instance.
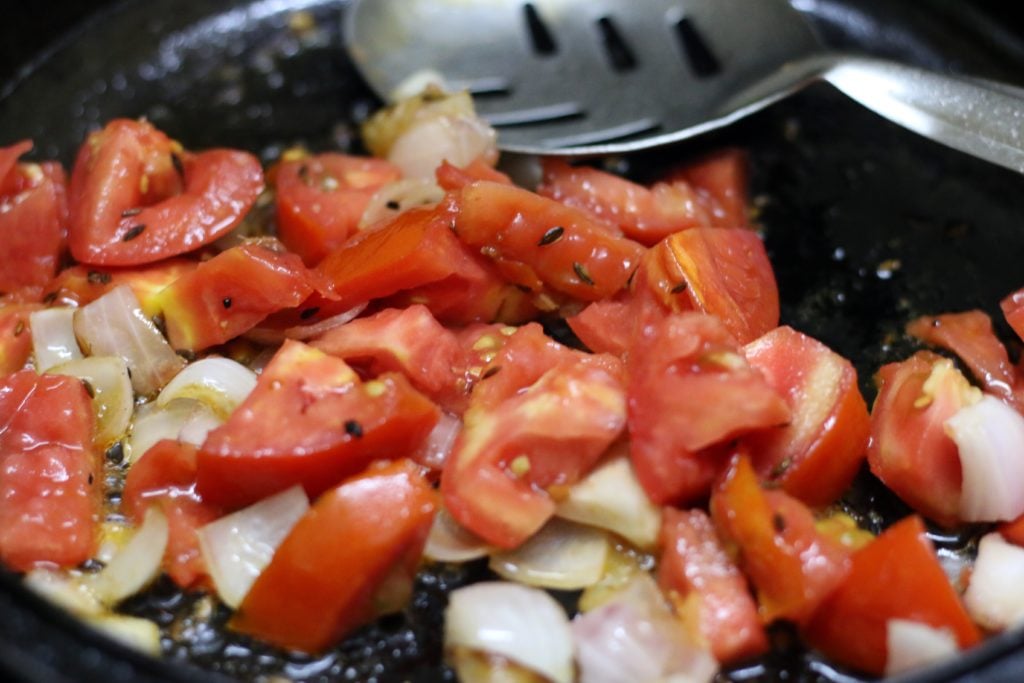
(583, 77)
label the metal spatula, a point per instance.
(611, 76)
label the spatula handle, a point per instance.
(983, 120)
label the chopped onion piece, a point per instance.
(990, 437)
(395, 197)
(434, 451)
(237, 547)
(220, 383)
(563, 555)
(111, 390)
(416, 83)
(53, 337)
(451, 542)
(137, 633)
(138, 562)
(911, 644)
(611, 498)
(62, 590)
(458, 139)
(995, 595)
(182, 419)
(634, 637)
(524, 624)
(271, 335)
(114, 325)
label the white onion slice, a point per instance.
(456, 138)
(434, 451)
(62, 590)
(271, 336)
(113, 399)
(611, 498)
(911, 644)
(53, 337)
(182, 420)
(990, 437)
(562, 555)
(138, 562)
(137, 633)
(237, 547)
(114, 325)
(395, 197)
(449, 541)
(995, 595)
(220, 383)
(634, 637)
(524, 624)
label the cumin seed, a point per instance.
(19, 328)
(582, 274)
(354, 429)
(179, 167)
(680, 288)
(779, 522)
(393, 205)
(97, 277)
(551, 236)
(491, 372)
(133, 232)
(128, 213)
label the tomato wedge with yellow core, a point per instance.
(311, 421)
(50, 487)
(359, 540)
(816, 455)
(896, 576)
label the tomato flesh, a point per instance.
(309, 421)
(720, 179)
(15, 336)
(323, 579)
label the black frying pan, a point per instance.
(842, 191)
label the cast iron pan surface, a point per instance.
(867, 226)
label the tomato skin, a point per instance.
(721, 180)
(15, 336)
(50, 488)
(33, 216)
(451, 177)
(698, 577)
(129, 166)
(292, 428)
(543, 424)
(508, 224)
(356, 532)
(230, 294)
(409, 341)
(816, 456)
(791, 564)
(165, 475)
(690, 389)
(896, 576)
(909, 448)
(321, 199)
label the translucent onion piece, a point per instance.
(563, 555)
(138, 562)
(451, 542)
(457, 139)
(524, 624)
(111, 391)
(182, 419)
(220, 383)
(995, 596)
(434, 451)
(990, 437)
(237, 547)
(271, 336)
(911, 644)
(635, 638)
(611, 498)
(53, 337)
(114, 325)
(394, 198)
(63, 591)
(416, 83)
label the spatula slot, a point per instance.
(702, 59)
(540, 36)
(619, 53)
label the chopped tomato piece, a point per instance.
(817, 454)
(409, 341)
(451, 177)
(326, 578)
(321, 199)
(604, 326)
(543, 424)
(544, 241)
(50, 487)
(230, 294)
(309, 421)
(690, 388)
(166, 475)
(1013, 311)
(720, 179)
(80, 285)
(137, 197)
(1013, 531)
(909, 448)
(970, 336)
(896, 576)
(645, 215)
(33, 215)
(707, 587)
(15, 336)
(792, 565)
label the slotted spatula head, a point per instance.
(597, 76)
